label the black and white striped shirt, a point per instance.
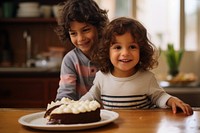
(138, 91)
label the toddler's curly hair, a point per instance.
(119, 26)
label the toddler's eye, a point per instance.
(133, 47)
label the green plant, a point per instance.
(173, 59)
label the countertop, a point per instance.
(129, 121)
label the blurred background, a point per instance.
(31, 53)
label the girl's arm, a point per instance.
(95, 92)
(68, 78)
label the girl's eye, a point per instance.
(86, 29)
(72, 33)
(117, 47)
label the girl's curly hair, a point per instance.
(119, 26)
(86, 11)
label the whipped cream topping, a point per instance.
(70, 106)
(62, 101)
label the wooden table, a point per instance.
(129, 121)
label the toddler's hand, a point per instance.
(174, 102)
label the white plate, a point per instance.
(37, 121)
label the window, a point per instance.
(167, 21)
(161, 18)
(192, 18)
(116, 8)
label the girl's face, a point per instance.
(83, 36)
(124, 55)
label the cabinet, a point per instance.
(28, 91)
(190, 95)
(42, 32)
(42, 36)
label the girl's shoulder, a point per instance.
(75, 54)
(70, 55)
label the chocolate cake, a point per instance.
(68, 111)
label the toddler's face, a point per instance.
(83, 36)
(124, 55)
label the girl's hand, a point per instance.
(175, 102)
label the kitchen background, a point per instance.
(31, 53)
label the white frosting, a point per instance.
(75, 107)
(62, 101)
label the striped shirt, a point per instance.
(128, 102)
(76, 75)
(140, 90)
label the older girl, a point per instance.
(81, 23)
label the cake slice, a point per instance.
(67, 111)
